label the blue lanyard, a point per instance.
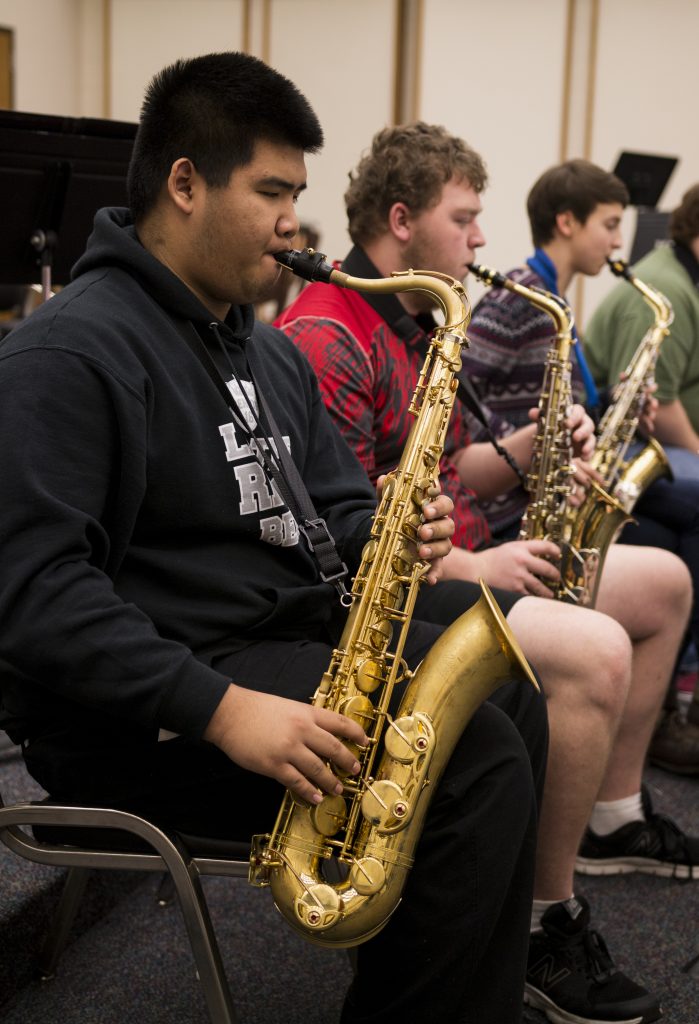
(543, 265)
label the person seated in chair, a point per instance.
(414, 202)
(165, 621)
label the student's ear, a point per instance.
(564, 223)
(181, 184)
(399, 222)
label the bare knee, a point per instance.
(583, 657)
(609, 666)
(645, 589)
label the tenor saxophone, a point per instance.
(627, 480)
(337, 870)
(583, 534)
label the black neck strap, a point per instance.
(281, 468)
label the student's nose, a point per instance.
(288, 223)
(477, 238)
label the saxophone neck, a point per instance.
(557, 308)
(660, 305)
(447, 293)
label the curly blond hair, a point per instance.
(409, 164)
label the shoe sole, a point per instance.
(628, 865)
(536, 999)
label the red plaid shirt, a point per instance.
(367, 377)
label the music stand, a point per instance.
(55, 173)
(646, 176)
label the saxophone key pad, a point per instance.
(408, 738)
(319, 907)
(367, 875)
(329, 815)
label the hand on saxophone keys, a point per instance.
(435, 532)
(648, 405)
(582, 432)
(287, 740)
(581, 427)
(583, 473)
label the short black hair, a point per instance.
(213, 110)
(577, 186)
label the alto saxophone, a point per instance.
(337, 870)
(583, 534)
(628, 480)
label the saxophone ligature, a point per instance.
(337, 870)
(628, 479)
(583, 534)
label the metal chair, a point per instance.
(84, 838)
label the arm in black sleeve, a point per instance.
(73, 466)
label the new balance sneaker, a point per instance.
(572, 978)
(656, 846)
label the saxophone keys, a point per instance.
(402, 561)
(379, 634)
(329, 816)
(359, 708)
(384, 804)
(369, 551)
(368, 676)
(408, 738)
(411, 525)
(392, 595)
(367, 875)
(319, 907)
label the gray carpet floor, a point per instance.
(129, 961)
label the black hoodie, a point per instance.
(139, 540)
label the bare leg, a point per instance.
(648, 591)
(584, 661)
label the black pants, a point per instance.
(667, 517)
(455, 949)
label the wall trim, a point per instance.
(591, 77)
(409, 19)
(567, 88)
(107, 58)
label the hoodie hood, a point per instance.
(115, 243)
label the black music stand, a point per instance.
(55, 173)
(645, 176)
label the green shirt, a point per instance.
(623, 318)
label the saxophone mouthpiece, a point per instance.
(306, 263)
(620, 268)
(488, 275)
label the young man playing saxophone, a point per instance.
(622, 318)
(152, 578)
(414, 201)
(575, 212)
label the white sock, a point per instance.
(608, 816)
(539, 907)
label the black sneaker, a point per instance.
(572, 978)
(656, 846)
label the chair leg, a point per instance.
(59, 930)
(692, 967)
(202, 937)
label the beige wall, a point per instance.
(507, 76)
(46, 46)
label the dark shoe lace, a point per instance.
(674, 843)
(588, 954)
